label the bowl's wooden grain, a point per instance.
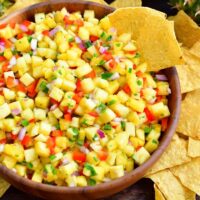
(105, 189)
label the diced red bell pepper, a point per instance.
(164, 124)
(102, 155)
(79, 156)
(92, 74)
(112, 63)
(77, 97)
(131, 52)
(21, 87)
(86, 144)
(31, 87)
(46, 33)
(139, 74)
(127, 89)
(94, 114)
(56, 133)
(134, 66)
(5, 67)
(32, 120)
(150, 116)
(68, 21)
(53, 101)
(68, 117)
(8, 44)
(145, 83)
(10, 82)
(3, 26)
(29, 32)
(26, 23)
(78, 86)
(138, 148)
(93, 38)
(78, 22)
(107, 56)
(26, 140)
(51, 143)
(13, 137)
(2, 82)
(2, 58)
(12, 24)
(32, 94)
(3, 141)
(20, 35)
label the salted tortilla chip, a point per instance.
(196, 49)
(189, 121)
(158, 193)
(3, 186)
(187, 31)
(191, 68)
(153, 33)
(189, 174)
(193, 148)
(175, 154)
(125, 3)
(170, 187)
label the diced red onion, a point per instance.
(53, 107)
(161, 77)
(103, 49)
(112, 30)
(53, 128)
(65, 161)
(22, 133)
(84, 150)
(55, 68)
(2, 43)
(16, 111)
(76, 173)
(23, 28)
(53, 32)
(13, 61)
(34, 44)
(78, 40)
(169, 91)
(118, 119)
(101, 133)
(82, 47)
(97, 125)
(152, 101)
(2, 147)
(13, 40)
(114, 76)
(117, 59)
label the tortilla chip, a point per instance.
(171, 188)
(196, 49)
(189, 121)
(190, 69)
(189, 174)
(3, 186)
(175, 154)
(125, 3)
(193, 148)
(158, 193)
(153, 33)
(187, 31)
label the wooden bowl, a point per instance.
(104, 189)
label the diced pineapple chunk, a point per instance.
(141, 156)
(81, 181)
(15, 150)
(37, 176)
(9, 94)
(27, 114)
(137, 142)
(113, 87)
(125, 37)
(87, 85)
(9, 124)
(21, 170)
(120, 109)
(9, 162)
(122, 96)
(62, 142)
(116, 171)
(56, 94)
(100, 173)
(42, 149)
(69, 168)
(92, 158)
(100, 95)
(105, 23)
(27, 79)
(151, 145)
(133, 117)
(88, 14)
(42, 101)
(4, 111)
(15, 105)
(39, 18)
(30, 155)
(45, 128)
(87, 104)
(130, 128)
(57, 113)
(90, 132)
(68, 85)
(84, 33)
(136, 105)
(129, 165)
(39, 114)
(122, 139)
(22, 45)
(163, 88)
(159, 110)
(107, 116)
(83, 70)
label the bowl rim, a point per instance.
(136, 173)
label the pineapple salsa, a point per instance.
(77, 106)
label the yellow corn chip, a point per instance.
(153, 33)
(196, 49)
(125, 3)
(3, 187)
(187, 31)
(190, 69)
(193, 147)
(158, 193)
(189, 174)
(171, 188)
(189, 121)
(175, 154)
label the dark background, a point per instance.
(142, 190)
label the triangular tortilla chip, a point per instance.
(158, 193)
(193, 148)
(189, 121)
(125, 3)
(189, 174)
(153, 33)
(3, 186)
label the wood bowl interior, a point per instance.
(104, 189)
